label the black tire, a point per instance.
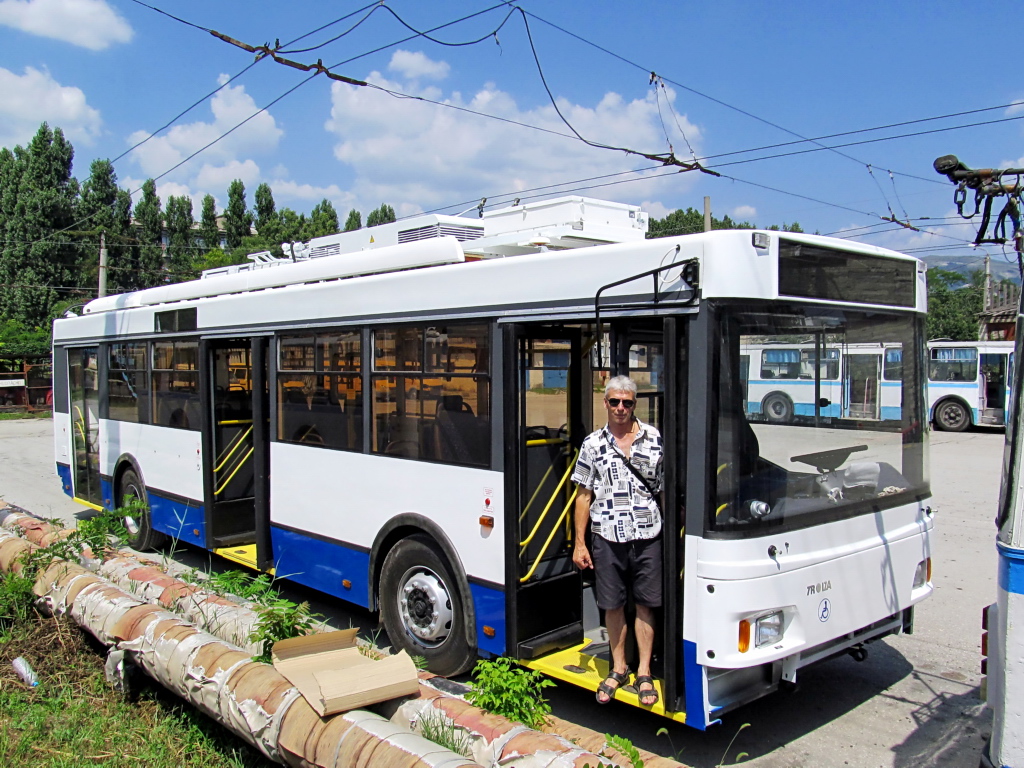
(141, 535)
(952, 416)
(777, 408)
(422, 609)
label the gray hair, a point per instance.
(620, 384)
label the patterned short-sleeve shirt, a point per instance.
(622, 509)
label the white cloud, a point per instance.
(307, 193)
(408, 151)
(34, 97)
(228, 159)
(655, 209)
(91, 24)
(414, 65)
(744, 213)
(1015, 108)
(220, 176)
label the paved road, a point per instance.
(913, 704)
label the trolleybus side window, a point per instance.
(320, 390)
(431, 393)
(953, 364)
(176, 384)
(128, 392)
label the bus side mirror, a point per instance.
(824, 402)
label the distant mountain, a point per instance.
(1001, 268)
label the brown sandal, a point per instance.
(646, 697)
(619, 677)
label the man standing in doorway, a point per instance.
(619, 474)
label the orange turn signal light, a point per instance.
(346, 584)
(744, 641)
(487, 521)
(489, 631)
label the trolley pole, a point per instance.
(707, 213)
(1003, 622)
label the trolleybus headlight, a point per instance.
(768, 629)
(923, 574)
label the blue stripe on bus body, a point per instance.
(954, 385)
(807, 409)
(322, 565)
(489, 606)
(64, 473)
(1011, 570)
(185, 521)
(892, 413)
(107, 492)
(693, 682)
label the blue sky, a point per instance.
(736, 74)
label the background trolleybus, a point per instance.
(969, 383)
(396, 426)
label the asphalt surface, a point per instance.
(913, 703)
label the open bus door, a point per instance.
(235, 437)
(555, 625)
(544, 410)
(85, 424)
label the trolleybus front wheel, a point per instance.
(952, 416)
(421, 608)
(132, 495)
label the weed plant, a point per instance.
(438, 728)
(502, 687)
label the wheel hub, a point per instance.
(426, 607)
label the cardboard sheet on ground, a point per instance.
(333, 676)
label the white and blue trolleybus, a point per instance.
(391, 416)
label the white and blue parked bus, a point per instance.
(969, 383)
(854, 381)
(396, 427)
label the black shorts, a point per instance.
(634, 565)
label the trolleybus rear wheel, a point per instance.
(952, 416)
(140, 532)
(778, 408)
(422, 611)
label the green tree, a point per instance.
(18, 340)
(209, 232)
(354, 221)
(106, 210)
(150, 223)
(293, 226)
(381, 215)
(39, 262)
(181, 238)
(268, 222)
(323, 220)
(794, 227)
(954, 301)
(237, 219)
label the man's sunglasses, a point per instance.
(614, 402)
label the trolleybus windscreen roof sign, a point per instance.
(814, 272)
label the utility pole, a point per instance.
(707, 213)
(1003, 636)
(103, 265)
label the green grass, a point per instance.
(74, 718)
(12, 415)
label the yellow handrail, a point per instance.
(232, 447)
(547, 543)
(233, 422)
(240, 465)
(554, 495)
(540, 485)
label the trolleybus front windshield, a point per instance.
(820, 416)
